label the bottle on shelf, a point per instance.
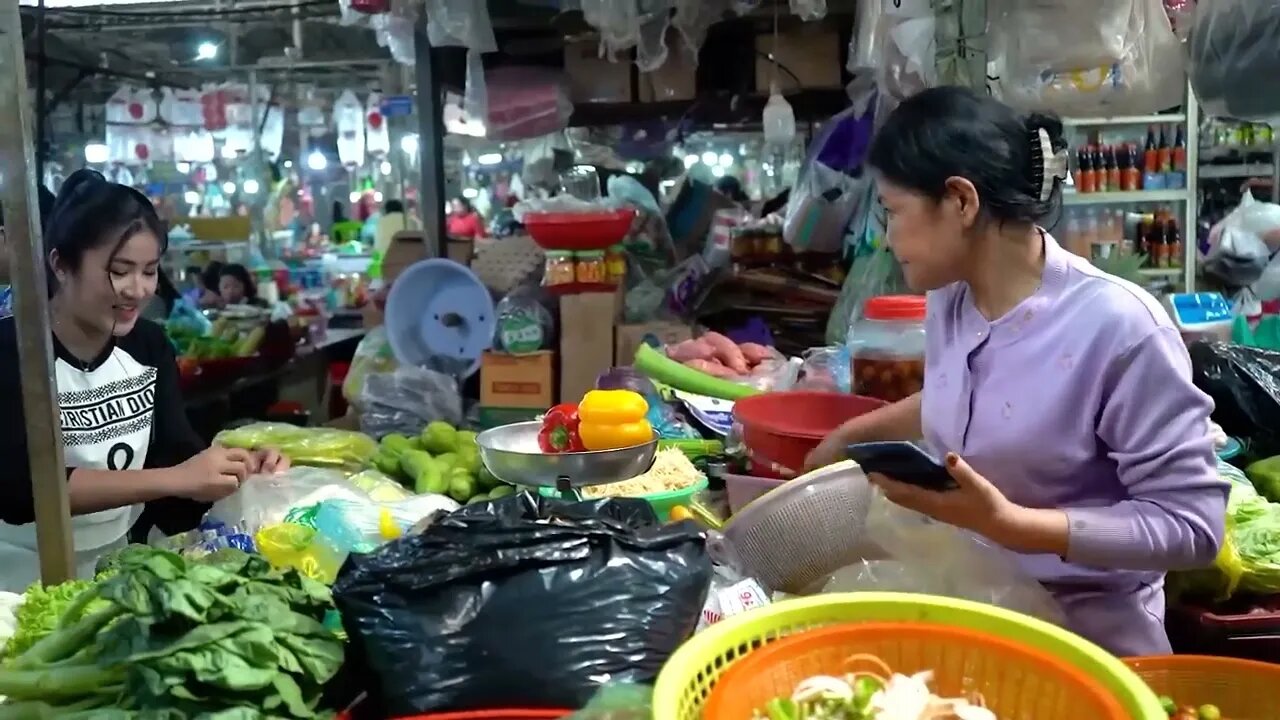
(1086, 180)
(1178, 175)
(1152, 179)
(1131, 174)
(1173, 242)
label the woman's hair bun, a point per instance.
(77, 182)
(1051, 124)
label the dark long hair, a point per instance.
(241, 273)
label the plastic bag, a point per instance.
(373, 355)
(462, 23)
(322, 447)
(1243, 244)
(524, 325)
(406, 399)
(618, 22)
(264, 500)
(1125, 61)
(525, 102)
(809, 10)
(908, 48)
(1233, 53)
(524, 602)
(618, 701)
(1244, 383)
(356, 526)
(825, 369)
(922, 555)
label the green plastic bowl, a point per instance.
(662, 502)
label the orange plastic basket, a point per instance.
(1242, 689)
(1016, 681)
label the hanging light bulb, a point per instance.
(317, 161)
(709, 158)
(229, 188)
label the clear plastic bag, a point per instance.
(617, 21)
(809, 10)
(373, 355)
(406, 399)
(462, 23)
(1233, 54)
(321, 447)
(618, 701)
(1241, 244)
(265, 500)
(1125, 61)
(361, 526)
(921, 555)
(825, 368)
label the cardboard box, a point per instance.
(586, 341)
(593, 78)
(812, 52)
(517, 381)
(628, 338)
(407, 247)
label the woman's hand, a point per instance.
(975, 505)
(829, 451)
(268, 462)
(212, 475)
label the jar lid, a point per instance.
(559, 255)
(895, 307)
(590, 255)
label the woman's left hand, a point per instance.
(269, 462)
(975, 505)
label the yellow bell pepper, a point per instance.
(612, 419)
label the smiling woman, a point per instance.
(127, 440)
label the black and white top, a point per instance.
(121, 411)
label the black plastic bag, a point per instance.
(527, 602)
(1244, 383)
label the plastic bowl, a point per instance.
(579, 231)
(1015, 679)
(781, 428)
(1241, 689)
(661, 502)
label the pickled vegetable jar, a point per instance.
(615, 260)
(559, 269)
(591, 268)
(886, 348)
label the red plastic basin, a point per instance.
(780, 429)
(579, 231)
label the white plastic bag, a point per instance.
(1233, 51)
(1243, 243)
(921, 555)
(617, 21)
(463, 23)
(268, 499)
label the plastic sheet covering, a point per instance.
(693, 17)
(524, 602)
(460, 23)
(1244, 383)
(651, 45)
(1125, 61)
(617, 21)
(809, 10)
(922, 555)
(1233, 50)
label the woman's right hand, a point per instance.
(829, 451)
(213, 474)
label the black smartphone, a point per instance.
(902, 461)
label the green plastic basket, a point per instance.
(688, 676)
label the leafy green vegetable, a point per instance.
(41, 610)
(223, 638)
(1265, 476)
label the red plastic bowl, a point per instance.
(579, 231)
(781, 428)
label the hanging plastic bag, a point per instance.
(617, 21)
(1233, 54)
(1244, 383)
(475, 98)
(407, 399)
(651, 44)
(909, 49)
(922, 555)
(524, 602)
(809, 10)
(460, 23)
(525, 102)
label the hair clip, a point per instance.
(1056, 164)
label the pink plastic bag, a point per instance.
(526, 102)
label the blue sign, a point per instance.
(397, 106)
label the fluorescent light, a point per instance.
(470, 193)
(184, 168)
(385, 167)
(317, 161)
(354, 196)
(229, 188)
(717, 171)
(377, 196)
(192, 197)
(489, 159)
(726, 160)
(709, 158)
(207, 51)
(229, 153)
(250, 186)
(288, 163)
(96, 153)
(409, 144)
(690, 161)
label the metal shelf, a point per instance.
(1126, 120)
(1160, 272)
(1136, 196)
(1240, 170)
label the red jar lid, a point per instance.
(895, 307)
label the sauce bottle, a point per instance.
(1173, 243)
(1087, 176)
(1164, 152)
(1152, 177)
(1110, 159)
(1178, 158)
(1099, 169)
(1159, 252)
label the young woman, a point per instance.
(124, 429)
(1059, 396)
(464, 222)
(236, 286)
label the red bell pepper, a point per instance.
(560, 430)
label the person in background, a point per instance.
(6, 293)
(206, 291)
(731, 187)
(236, 286)
(1058, 397)
(128, 442)
(393, 220)
(464, 222)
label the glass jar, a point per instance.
(559, 269)
(591, 268)
(615, 260)
(886, 348)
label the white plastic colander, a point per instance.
(797, 534)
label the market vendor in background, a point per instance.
(392, 220)
(6, 293)
(1059, 396)
(236, 286)
(464, 223)
(127, 440)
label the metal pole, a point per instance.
(430, 143)
(41, 107)
(31, 308)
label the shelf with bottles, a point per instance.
(1152, 231)
(1117, 163)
